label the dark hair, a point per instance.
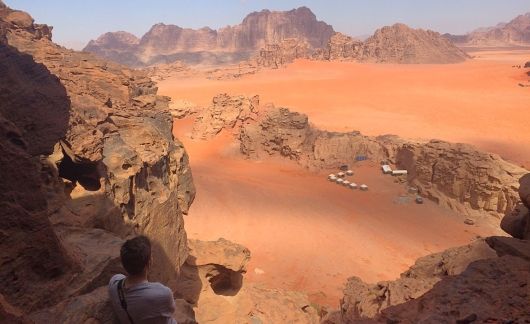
(135, 254)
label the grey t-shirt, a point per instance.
(148, 302)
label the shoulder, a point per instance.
(116, 278)
(160, 288)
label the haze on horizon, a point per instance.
(77, 22)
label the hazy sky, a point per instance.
(77, 21)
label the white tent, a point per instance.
(364, 187)
(346, 183)
(349, 172)
(353, 186)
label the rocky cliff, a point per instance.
(485, 281)
(394, 44)
(516, 32)
(167, 43)
(280, 54)
(456, 176)
(88, 159)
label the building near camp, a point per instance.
(349, 173)
(386, 169)
(341, 174)
(363, 187)
(353, 186)
(399, 172)
(346, 183)
(340, 181)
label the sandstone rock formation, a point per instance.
(460, 177)
(212, 279)
(486, 280)
(394, 44)
(282, 53)
(85, 144)
(402, 44)
(517, 223)
(456, 176)
(284, 133)
(168, 43)
(516, 32)
(226, 112)
(340, 47)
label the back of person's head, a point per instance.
(135, 255)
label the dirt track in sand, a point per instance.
(477, 102)
(304, 232)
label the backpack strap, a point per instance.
(123, 302)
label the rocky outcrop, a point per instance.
(402, 44)
(393, 44)
(168, 43)
(115, 46)
(340, 48)
(516, 32)
(225, 112)
(460, 177)
(486, 280)
(517, 223)
(85, 144)
(213, 277)
(280, 54)
(363, 300)
(280, 132)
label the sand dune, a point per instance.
(304, 232)
(477, 102)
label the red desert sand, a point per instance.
(304, 232)
(308, 234)
(477, 102)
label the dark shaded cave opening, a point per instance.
(86, 174)
(225, 282)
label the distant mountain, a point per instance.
(516, 32)
(394, 44)
(167, 43)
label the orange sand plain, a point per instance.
(477, 102)
(304, 232)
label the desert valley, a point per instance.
(284, 171)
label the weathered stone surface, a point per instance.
(222, 252)
(119, 143)
(90, 147)
(282, 53)
(510, 246)
(340, 48)
(363, 300)
(231, 44)
(492, 290)
(212, 279)
(93, 307)
(393, 44)
(460, 177)
(225, 112)
(288, 134)
(402, 44)
(32, 259)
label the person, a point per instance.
(134, 299)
